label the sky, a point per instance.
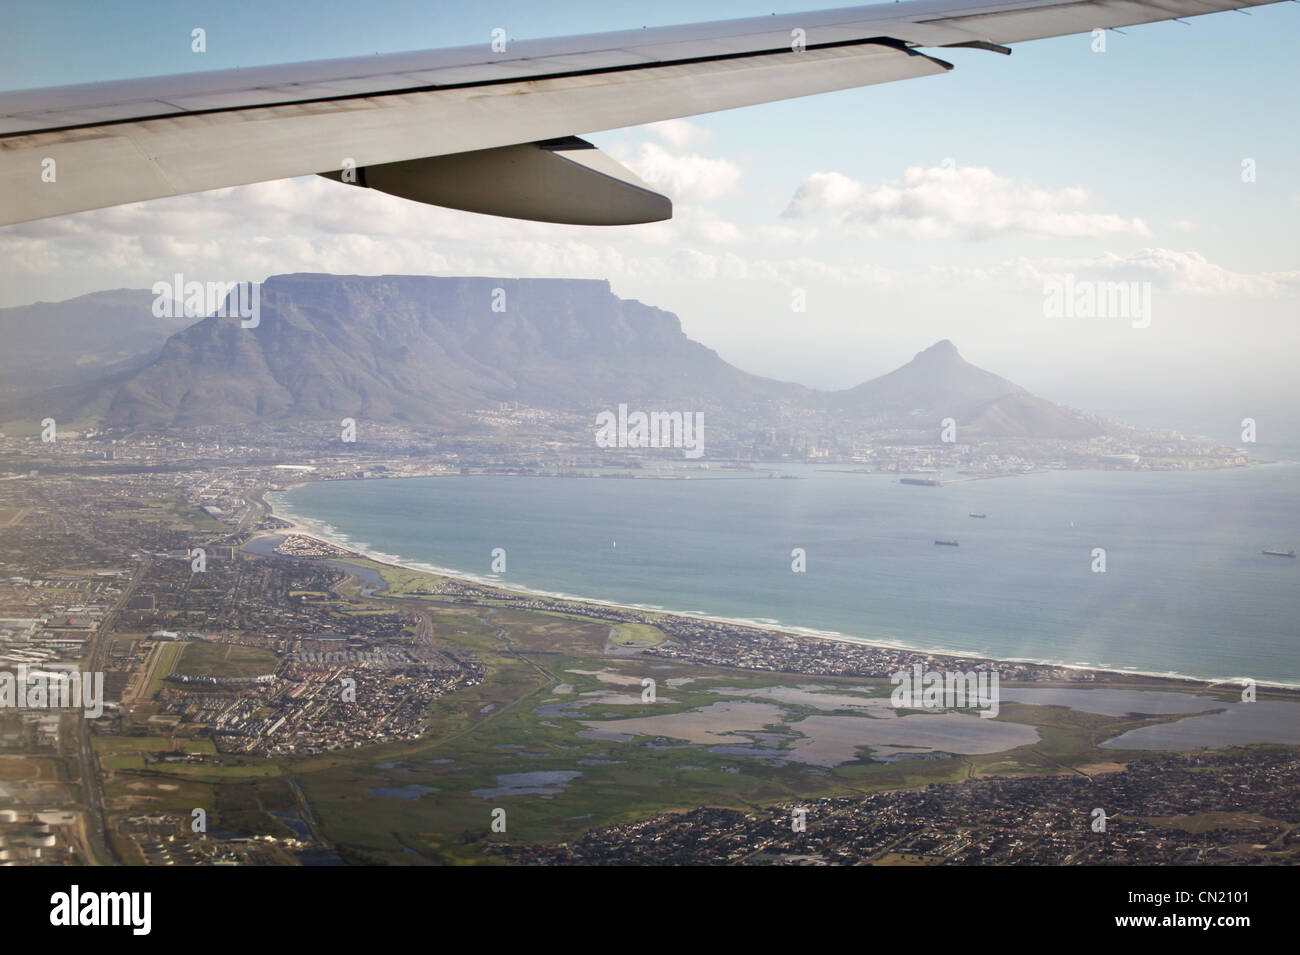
(899, 214)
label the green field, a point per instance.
(152, 744)
(224, 659)
(169, 653)
(432, 798)
(637, 635)
(125, 761)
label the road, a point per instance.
(97, 843)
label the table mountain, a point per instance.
(422, 350)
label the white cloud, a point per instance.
(311, 224)
(785, 235)
(314, 225)
(1179, 272)
(965, 202)
(678, 133)
(689, 177)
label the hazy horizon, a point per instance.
(902, 214)
(1154, 388)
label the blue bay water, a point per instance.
(1186, 589)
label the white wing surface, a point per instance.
(130, 140)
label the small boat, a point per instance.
(1279, 553)
(980, 516)
(947, 543)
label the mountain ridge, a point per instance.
(425, 350)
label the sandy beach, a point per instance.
(314, 531)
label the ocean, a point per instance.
(1186, 590)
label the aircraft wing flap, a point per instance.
(566, 180)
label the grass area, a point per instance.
(181, 513)
(28, 769)
(152, 744)
(161, 666)
(216, 771)
(123, 761)
(637, 635)
(1210, 821)
(399, 580)
(515, 722)
(224, 660)
(138, 791)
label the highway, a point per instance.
(98, 845)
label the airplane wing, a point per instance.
(490, 128)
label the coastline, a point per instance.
(327, 535)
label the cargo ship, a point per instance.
(924, 482)
(947, 543)
(981, 516)
(1279, 553)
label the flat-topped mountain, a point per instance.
(423, 350)
(419, 349)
